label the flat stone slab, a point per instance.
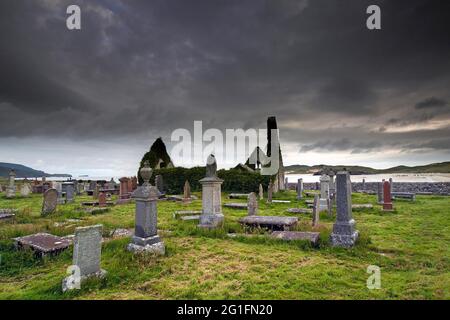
(190, 218)
(299, 210)
(236, 205)
(7, 214)
(43, 243)
(270, 222)
(362, 206)
(281, 201)
(238, 196)
(404, 195)
(96, 210)
(96, 203)
(179, 214)
(121, 233)
(296, 235)
(180, 198)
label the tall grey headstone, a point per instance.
(146, 237)
(364, 184)
(270, 192)
(50, 201)
(70, 191)
(324, 192)
(159, 183)
(299, 189)
(58, 187)
(286, 184)
(87, 248)
(261, 192)
(252, 204)
(211, 216)
(186, 191)
(316, 211)
(344, 233)
(11, 188)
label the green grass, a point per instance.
(411, 245)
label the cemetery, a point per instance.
(306, 241)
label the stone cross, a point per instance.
(87, 248)
(316, 211)
(50, 201)
(344, 233)
(299, 189)
(252, 204)
(261, 192)
(269, 192)
(146, 238)
(387, 201)
(211, 216)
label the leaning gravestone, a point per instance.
(87, 248)
(252, 204)
(344, 233)
(50, 202)
(145, 237)
(211, 216)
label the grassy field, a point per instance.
(411, 246)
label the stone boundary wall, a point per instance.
(435, 188)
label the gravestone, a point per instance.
(25, 190)
(252, 204)
(269, 192)
(50, 202)
(315, 215)
(317, 186)
(43, 244)
(11, 188)
(364, 184)
(146, 237)
(324, 192)
(313, 237)
(70, 191)
(332, 184)
(96, 191)
(134, 183)
(58, 187)
(269, 222)
(186, 191)
(159, 183)
(380, 192)
(102, 199)
(286, 184)
(261, 192)
(124, 191)
(387, 200)
(211, 216)
(299, 189)
(87, 248)
(344, 233)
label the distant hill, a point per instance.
(26, 172)
(443, 167)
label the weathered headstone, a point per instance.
(70, 191)
(387, 200)
(364, 184)
(261, 192)
(286, 184)
(252, 204)
(324, 192)
(344, 233)
(269, 192)
(25, 190)
(332, 184)
(102, 199)
(299, 189)
(146, 237)
(50, 201)
(380, 192)
(96, 191)
(316, 210)
(211, 216)
(11, 188)
(159, 183)
(186, 191)
(87, 248)
(134, 183)
(124, 191)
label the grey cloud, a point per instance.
(431, 103)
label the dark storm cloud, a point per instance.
(148, 67)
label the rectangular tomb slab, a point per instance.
(297, 235)
(299, 210)
(270, 222)
(43, 243)
(281, 201)
(190, 218)
(236, 205)
(238, 196)
(182, 213)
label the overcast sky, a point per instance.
(92, 101)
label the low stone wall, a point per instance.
(436, 188)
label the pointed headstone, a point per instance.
(252, 204)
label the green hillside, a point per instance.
(25, 172)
